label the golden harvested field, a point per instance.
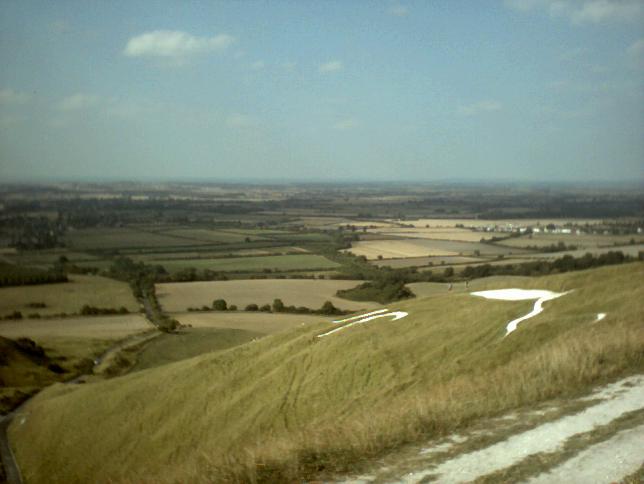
(393, 249)
(91, 327)
(464, 235)
(68, 297)
(257, 322)
(178, 296)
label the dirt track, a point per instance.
(602, 438)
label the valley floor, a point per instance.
(596, 438)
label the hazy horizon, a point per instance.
(529, 91)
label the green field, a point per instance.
(68, 297)
(212, 236)
(122, 238)
(189, 342)
(252, 264)
(292, 406)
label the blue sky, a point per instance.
(332, 90)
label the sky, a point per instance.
(359, 90)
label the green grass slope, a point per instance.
(294, 405)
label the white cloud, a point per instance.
(79, 101)
(479, 107)
(584, 11)
(174, 44)
(636, 53)
(258, 65)
(399, 10)
(9, 96)
(346, 124)
(331, 66)
(237, 120)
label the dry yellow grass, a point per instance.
(90, 327)
(266, 323)
(291, 405)
(68, 297)
(176, 297)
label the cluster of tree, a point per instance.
(278, 306)
(141, 278)
(12, 275)
(566, 263)
(88, 310)
(29, 232)
(558, 247)
(12, 316)
(383, 290)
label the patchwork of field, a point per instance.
(631, 250)
(94, 327)
(463, 235)
(472, 222)
(121, 238)
(45, 258)
(214, 236)
(178, 296)
(154, 257)
(67, 297)
(250, 264)
(584, 241)
(401, 248)
(257, 322)
(426, 261)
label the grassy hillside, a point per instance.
(294, 405)
(25, 367)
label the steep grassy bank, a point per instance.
(294, 405)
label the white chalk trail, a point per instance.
(601, 463)
(625, 396)
(366, 317)
(600, 316)
(541, 296)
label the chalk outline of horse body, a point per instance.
(363, 318)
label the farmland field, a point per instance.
(456, 234)
(212, 236)
(265, 323)
(108, 238)
(395, 249)
(68, 297)
(309, 293)
(584, 241)
(631, 250)
(250, 264)
(90, 327)
(425, 261)
(472, 222)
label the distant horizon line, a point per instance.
(317, 181)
